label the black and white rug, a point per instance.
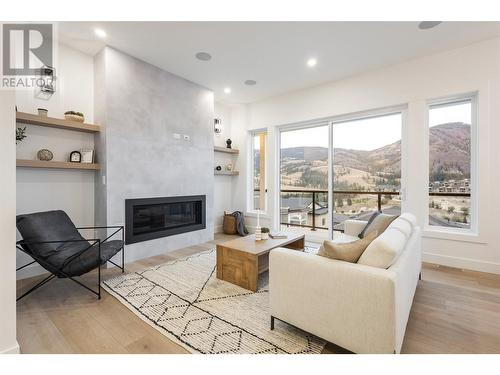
(186, 302)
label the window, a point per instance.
(344, 169)
(366, 167)
(450, 161)
(304, 174)
(258, 178)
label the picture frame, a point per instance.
(87, 156)
(75, 157)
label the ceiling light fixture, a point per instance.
(311, 63)
(250, 82)
(426, 25)
(227, 90)
(100, 33)
(203, 56)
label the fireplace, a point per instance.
(150, 218)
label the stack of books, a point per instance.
(277, 235)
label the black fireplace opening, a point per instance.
(150, 218)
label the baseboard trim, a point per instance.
(14, 350)
(463, 263)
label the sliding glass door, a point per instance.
(339, 170)
(367, 167)
(304, 176)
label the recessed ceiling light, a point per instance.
(312, 62)
(203, 56)
(426, 25)
(227, 90)
(250, 82)
(100, 33)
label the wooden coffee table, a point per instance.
(240, 261)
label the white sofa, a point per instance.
(361, 308)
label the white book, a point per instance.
(278, 235)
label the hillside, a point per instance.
(449, 158)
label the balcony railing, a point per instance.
(379, 194)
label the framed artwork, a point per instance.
(87, 156)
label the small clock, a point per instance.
(75, 157)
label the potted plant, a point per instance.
(42, 112)
(74, 116)
(264, 233)
(20, 134)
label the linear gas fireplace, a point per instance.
(150, 218)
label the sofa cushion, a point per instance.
(385, 249)
(379, 224)
(347, 251)
(410, 218)
(402, 225)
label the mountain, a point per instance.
(449, 148)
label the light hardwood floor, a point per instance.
(454, 311)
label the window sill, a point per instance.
(453, 235)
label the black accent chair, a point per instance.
(53, 241)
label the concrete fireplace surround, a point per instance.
(145, 114)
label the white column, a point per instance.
(8, 343)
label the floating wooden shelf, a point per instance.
(226, 173)
(56, 164)
(226, 150)
(51, 122)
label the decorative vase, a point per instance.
(264, 236)
(229, 167)
(42, 112)
(228, 143)
(45, 155)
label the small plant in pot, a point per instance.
(265, 233)
(74, 116)
(20, 134)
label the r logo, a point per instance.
(26, 48)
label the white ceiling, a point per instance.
(272, 53)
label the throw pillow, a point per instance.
(370, 220)
(384, 251)
(347, 251)
(379, 224)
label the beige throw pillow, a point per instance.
(379, 224)
(347, 251)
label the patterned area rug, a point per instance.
(186, 302)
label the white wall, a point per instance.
(223, 185)
(475, 68)
(44, 189)
(8, 343)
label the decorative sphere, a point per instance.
(45, 155)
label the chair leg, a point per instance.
(420, 276)
(123, 251)
(99, 274)
(272, 323)
(99, 282)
